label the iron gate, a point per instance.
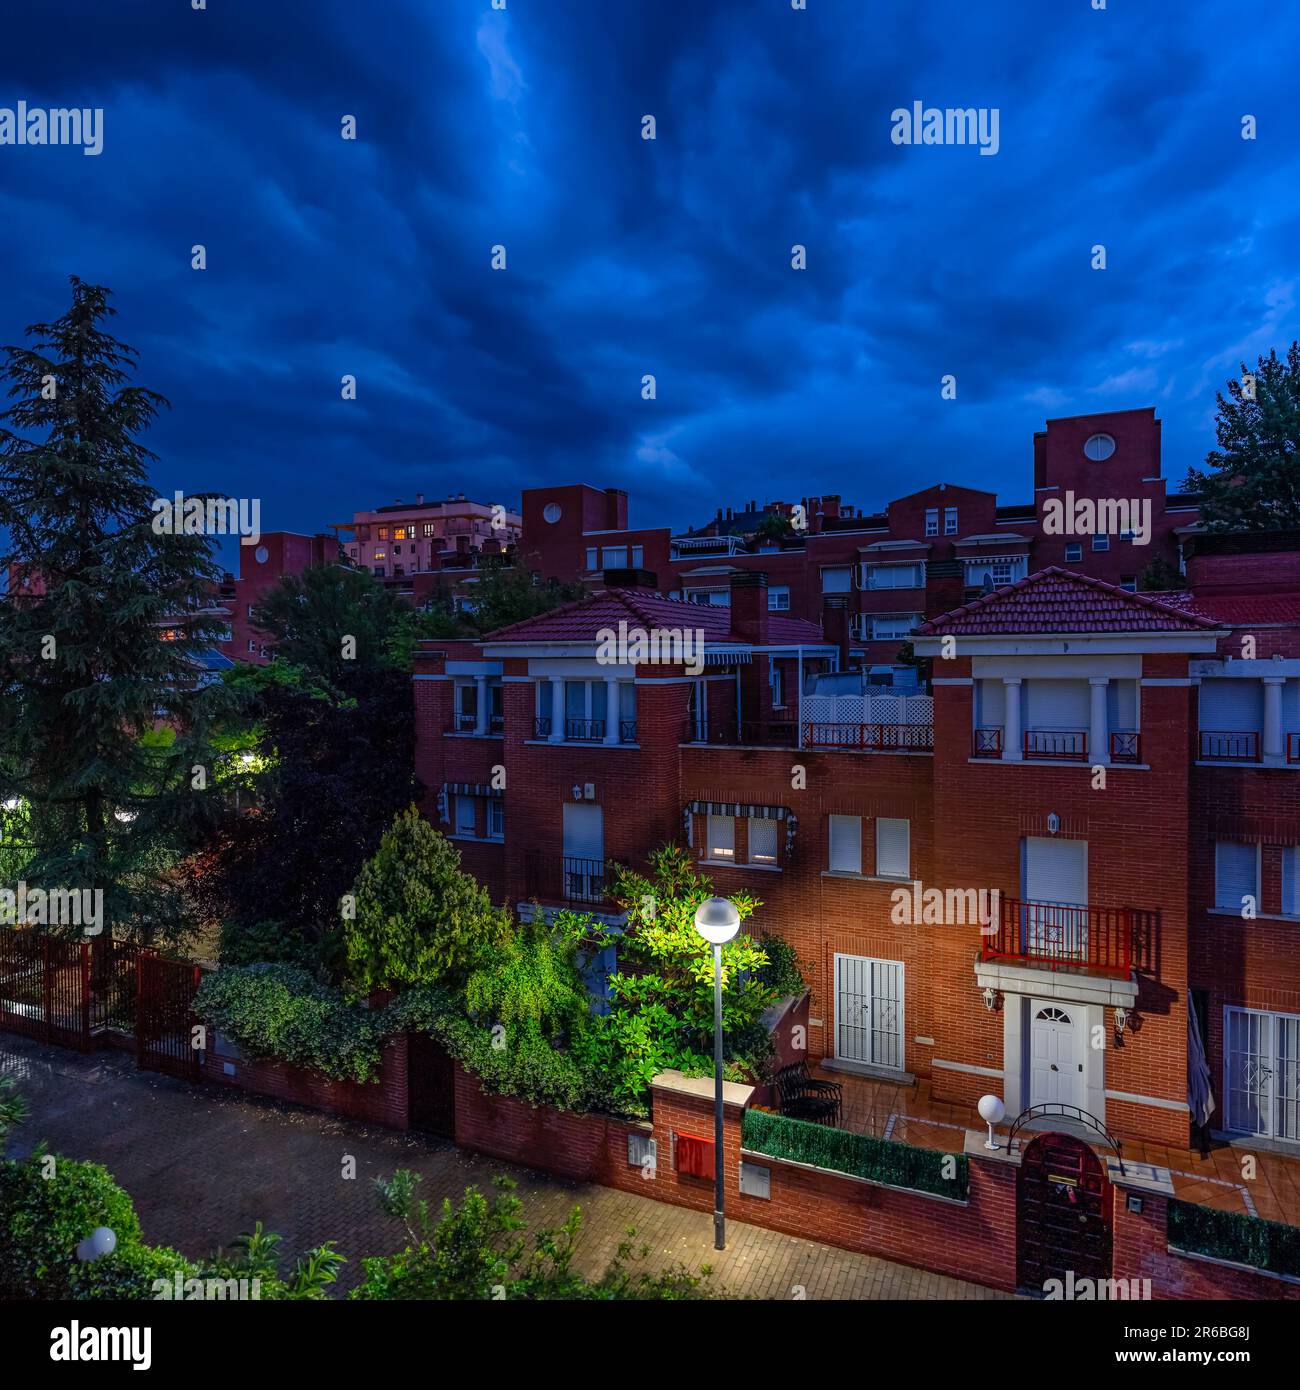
(164, 1016)
(1063, 1213)
(45, 988)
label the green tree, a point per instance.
(83, 670)
(661, 1008)
(507, 593)
(1161, 575)
(420, 920)
(773, 526)
(1252, 480)
(13, 1109)
(334, 621)
(477, 1251)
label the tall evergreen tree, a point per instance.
(1252, 480)
(93, 588)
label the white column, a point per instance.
(481, 705)
(1011, 749)
(557, 709)
(1273, 747)
(1098, 741)
(611, 709)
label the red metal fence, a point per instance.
(164, 1017)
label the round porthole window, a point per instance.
(551, 511)
(1099, 448)
(261, 554)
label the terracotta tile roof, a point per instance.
(583, 620)
(1239, 610)
(1057, 600)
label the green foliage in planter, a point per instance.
(1227, 1235)
(860, 1155)
(281, 1013)
(782, 974)
(419, 919)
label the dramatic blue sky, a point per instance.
(522, 127)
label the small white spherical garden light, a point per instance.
(101, 1241)
(992, 1112)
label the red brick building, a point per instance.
(1101, 787)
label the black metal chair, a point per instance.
(801, 1098)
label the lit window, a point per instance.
(762, 840)
(401, 533)
(932, 521)
(428, 528)
(380, 555)
(382, 533)
(950, 521)
(722, 837)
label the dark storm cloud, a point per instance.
(630, 257)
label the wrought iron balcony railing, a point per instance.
(1125, 746)
(1062, 935)
(987, 743)
(565, 878)
(1056, 745)
(876, 738)
(746, 733)
(1227, 746)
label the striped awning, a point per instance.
(472, 789)
(728, 658)
(750, 810)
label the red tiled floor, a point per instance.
(1230, 1177)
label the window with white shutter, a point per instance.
(893, 848)
(466, 821)
(1291, 880)
(722, 837)
(762, 840)
(837, 579)
(1232, 706)
(1236, 874)
(845, 844)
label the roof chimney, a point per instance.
(749, 606)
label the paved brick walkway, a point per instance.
(203, 1165)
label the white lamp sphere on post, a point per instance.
(992, 1112)
(101, 1241)
(717, 920)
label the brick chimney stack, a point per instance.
(749, 606)
(835, 625)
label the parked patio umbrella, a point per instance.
(1199, 1097)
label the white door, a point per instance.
(584, 851)
(1054, 886)
(869, 1011)
(1055, 1055)
(1261, 1067)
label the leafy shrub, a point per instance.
(250, 943)
(782, 974)
(1227, 1235)
(860, 1155)
(281, 1013)
(419, 919)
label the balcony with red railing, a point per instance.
(1056, 745)
(987, 743)
(1229, 746)
(870, 738)
(1055, 936)
(1125, 746)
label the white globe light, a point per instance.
(13, 803)
(717, 920)
(101, 1241)
(991, 1109)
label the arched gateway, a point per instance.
(1063, 1214)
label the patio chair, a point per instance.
(817, 1087)
(798, 1102)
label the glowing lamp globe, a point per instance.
(991, 1109)
(717, 920)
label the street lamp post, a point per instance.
(717, 921)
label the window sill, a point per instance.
(1275, 764)
(1084, 764)
(1258, 917)
(477, 839)
(462, 733)
(896, 879)
(732, 864)
(575, 743)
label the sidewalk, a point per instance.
(203, 1166)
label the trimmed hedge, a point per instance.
(859, 1155)
(1227, 1235)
